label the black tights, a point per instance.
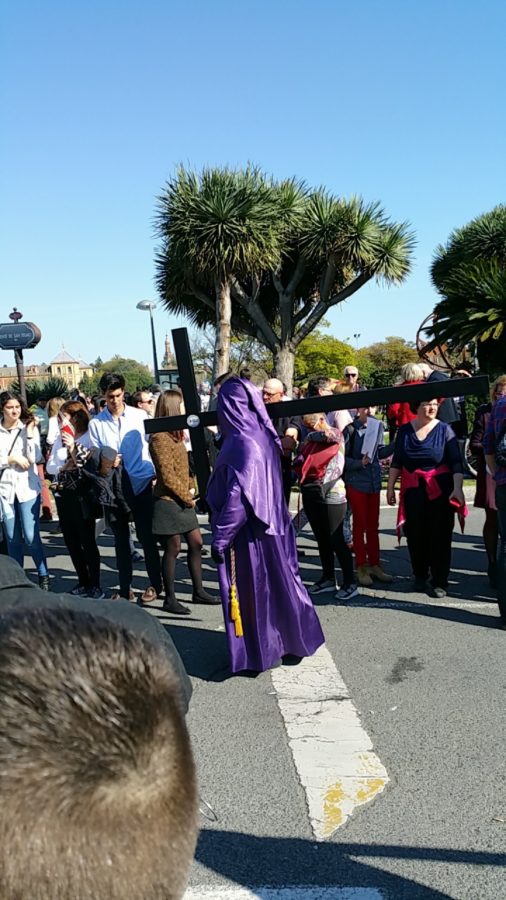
(171, 544)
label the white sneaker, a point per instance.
(347, 591)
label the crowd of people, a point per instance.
(102, 683)
(102, 463)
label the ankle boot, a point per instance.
(378, 573)
(363, 577)
(202, 596)
(44, 582)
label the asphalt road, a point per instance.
(428, 680)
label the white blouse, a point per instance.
(15, 482)
(58, 456)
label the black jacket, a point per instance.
(16, 591)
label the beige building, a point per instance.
(62, 366)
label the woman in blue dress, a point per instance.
(427, 459)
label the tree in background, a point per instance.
(88, 386)
(380, 364)
(136, 375)
(322, 354)
(34, 390)
(244, 353)
(217, 230)
(53, 387)
(274, 255)
(469, 273)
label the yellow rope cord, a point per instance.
(235, 611)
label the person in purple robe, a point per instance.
(268, 612)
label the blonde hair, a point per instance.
(312, 419)
(412, 371)
(342, 387)
(54, 405)
(501, 379)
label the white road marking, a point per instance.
(331, 750)
(384, 603)
(296, 892)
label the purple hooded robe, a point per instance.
(248, 511)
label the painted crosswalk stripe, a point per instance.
(295, 892)
(332, 752)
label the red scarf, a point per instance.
(315, 459)
(411, 480)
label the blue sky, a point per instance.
(397, 100)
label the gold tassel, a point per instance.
(235, 610)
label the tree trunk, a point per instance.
(221, 362)
(284, 362)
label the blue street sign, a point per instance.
(18, 335)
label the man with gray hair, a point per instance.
(273, 392)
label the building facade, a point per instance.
(62, 366)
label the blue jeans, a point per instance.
(21, 520)
(500, 502)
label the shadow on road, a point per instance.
(250, 860)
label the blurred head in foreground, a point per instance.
(97, 778)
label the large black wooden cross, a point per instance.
(196, 421)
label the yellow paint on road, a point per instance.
(332, 752)
(339, 801)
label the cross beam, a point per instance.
(196, 421)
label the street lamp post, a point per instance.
(149, 305)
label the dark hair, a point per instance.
(95, 763)
(415, 404)
(169, 404)
(221, 378)
(245, 373)
(5, 396)
(95, 399)
(314, 385)
(78, 413)
(111, 381)
(135, 399)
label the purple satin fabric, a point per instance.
(248, 510)
(251, 448)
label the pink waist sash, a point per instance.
(412, 479)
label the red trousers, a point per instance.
(365, 509)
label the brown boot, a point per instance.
(378, 573)
(363, 577)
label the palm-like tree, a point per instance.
(277, 255)
(469, 272)
(216, 228)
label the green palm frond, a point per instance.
(484, 238)
(223, 221)
(473, 307)
(357, 236)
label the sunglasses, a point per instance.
(351, 374)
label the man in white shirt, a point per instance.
(122, 427)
